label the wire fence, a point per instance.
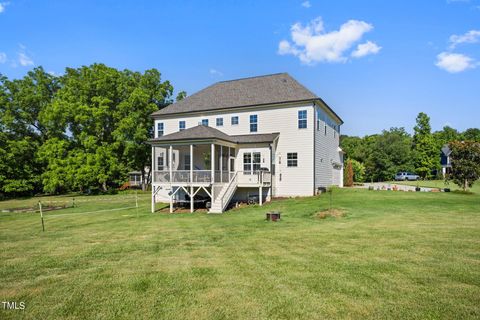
(130, 203)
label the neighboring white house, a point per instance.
(258, 137)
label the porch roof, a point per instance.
(201, 132)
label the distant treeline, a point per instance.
(82, 131)
(379, 157)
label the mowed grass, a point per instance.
(394, 255)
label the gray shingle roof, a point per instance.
(205, 133)
(269, 89)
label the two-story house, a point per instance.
(260, 137)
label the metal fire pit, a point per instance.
(273, 216)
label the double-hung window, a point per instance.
(251, 162)
(181, 125)
(219, 122)
(253, 123)
(302, 119)
(161, 161)
(160, 128)
(205, 122)
(292, 159)
(234, 120)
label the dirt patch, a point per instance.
(181, 210)
(336, 213)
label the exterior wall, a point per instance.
(289, 181)
(326, 150)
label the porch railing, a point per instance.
(254, 177)
(205, 176)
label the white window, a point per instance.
(292, 159)
(205, 122)
(251, 162)
(160, 129)
(161, 162)
(181, 125)
(234, 120)
(219, 122)
(302, 119)
(253, 123)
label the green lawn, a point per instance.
(396, 255)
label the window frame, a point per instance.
(161, 167)
(253, 123)
(292, 159)
(232, 122)
(162, 130)
(254, 163)
(205, 122)
(302, 119)
(180, 123)
(217, 120)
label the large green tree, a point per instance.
(465, 160)
(390, 152)
(446, 135)
(100, 122)
(425, 149)
(21, 131)
(471, 134)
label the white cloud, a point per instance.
(24, 60)
(455, 62)
(471, 36)
(3, 57)
(366, 48)
(306, 4)
(215, 72)
(311, 43)
(3, 5)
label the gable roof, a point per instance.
(254, 91)
(446, 150)
(201, 132)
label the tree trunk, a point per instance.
(104, 186)
(465, 185)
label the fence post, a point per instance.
(41, 215)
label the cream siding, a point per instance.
(326, 150)
(289, 181)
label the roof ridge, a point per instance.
(253, 77)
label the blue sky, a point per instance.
(376, 63)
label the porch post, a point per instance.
(221, 164)
(260, 196)
(152, 171)
(191, 163)
(191, 178)
(153, 198)
(170, 151)
(212, 166)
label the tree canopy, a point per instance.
(394, 150)
(84, 130)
